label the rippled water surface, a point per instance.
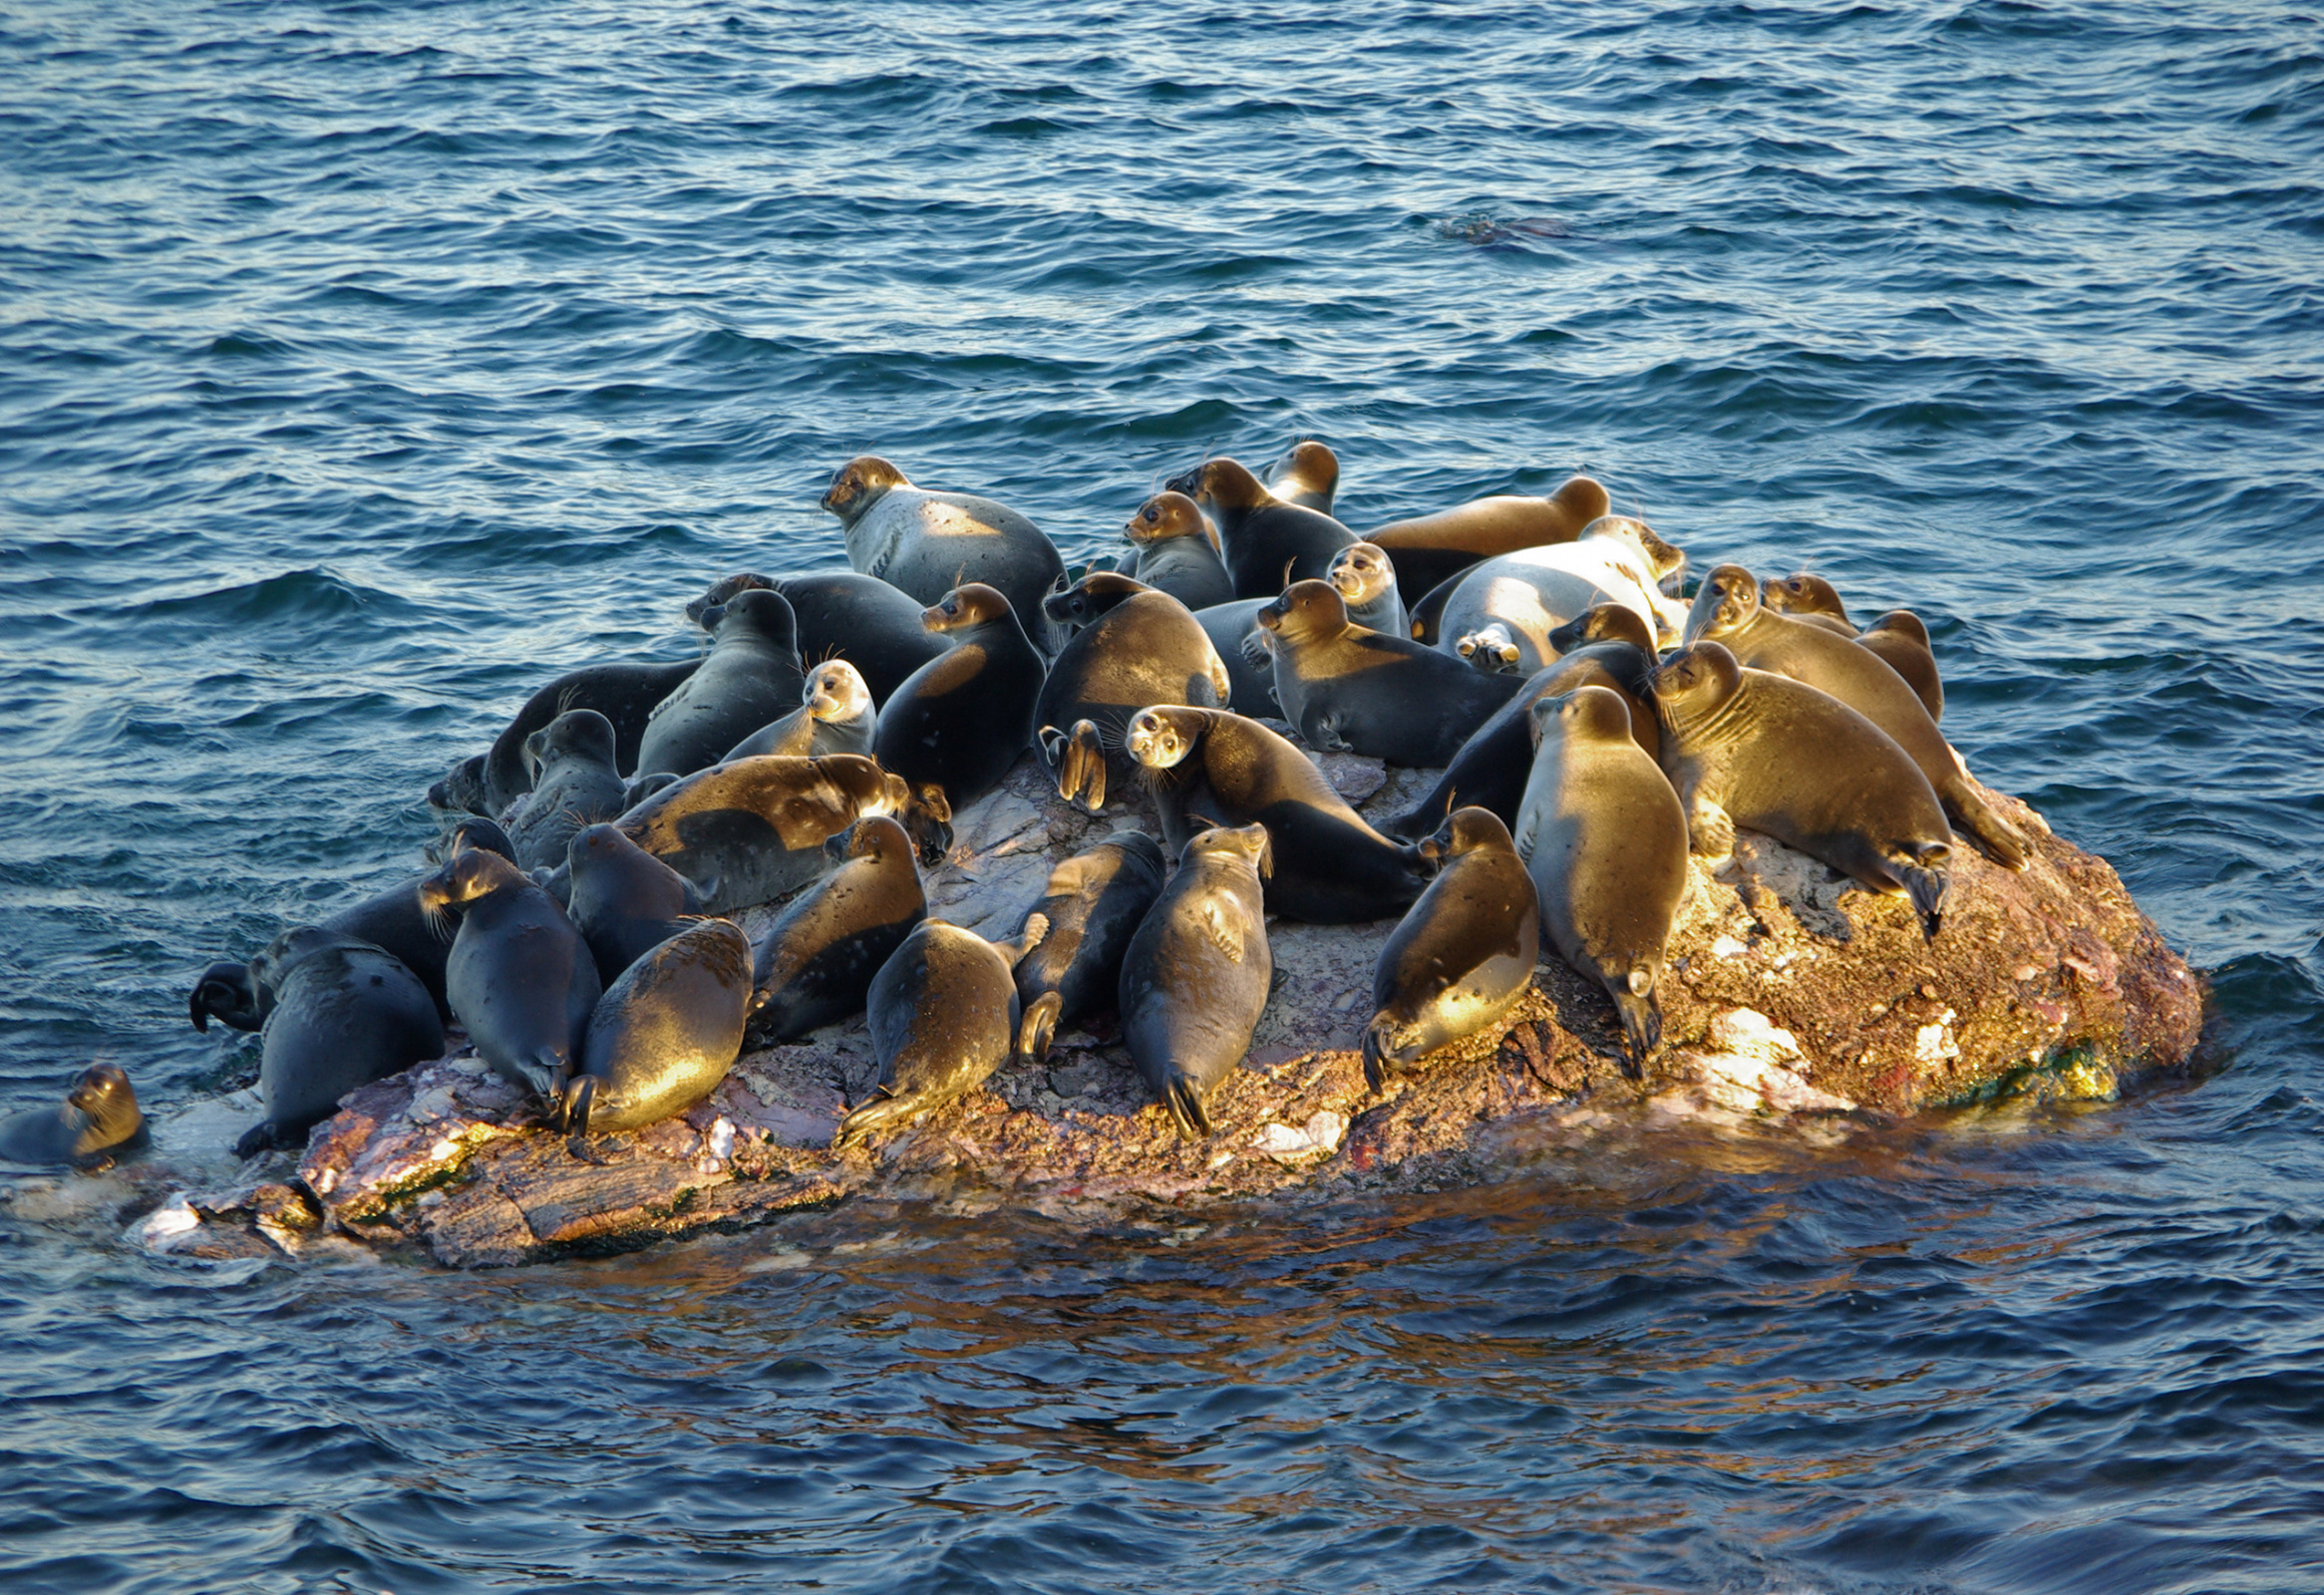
(361, 366)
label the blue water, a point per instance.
(361, 366)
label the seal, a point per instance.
(1429, 549)
(622, 899)
(664, 1037)
(1251, 681)
(1898, 637)
(1129, 647)
(1349, 687)
(345, 1013)
(1605, 840)
(942, 1013)
(1365, 579)
(814, 964)
(1174, 552)
(96, 1123)
(1461, 956)
(1268, 543)
(1536, 590)
(461, 791)
(836, 717)
(753, 830)
(1094, 903)
(751, 676)
(1195, 976)
(627, 694)
(521, 978)
(843, 615)
(1809, 599)
(1728, 612)
(1747, 748)
(1308, 475)
(962, 720)
(928, 543)
(573, 785)
(1330, 867)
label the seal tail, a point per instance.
(1926, 889)
(1641, 1014)
(1185, 1104)
(1039, 1026)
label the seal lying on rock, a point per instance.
(95, 1123)
(1308, 475)
(1131, 647)
(1268, 540)
(1536, 590)
(573, 785)
(1094, 903)
(928, 543)
(1461, 956)
(836, 716)
(943, 1016)
(665, 1034)
(1174, 552)
(814, 964)
(1898, 637)
(1365, 579)
(751, 676)
(522, 979)
(846, 617)
(1429, 549)
(1346, 687)
(624, 694)
(961, 720)
(622, 899)
(1195, 976)
(345, 1013)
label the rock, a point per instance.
(1793, 997)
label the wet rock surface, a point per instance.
(1789, 992)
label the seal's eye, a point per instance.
(1150, 515)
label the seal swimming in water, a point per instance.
(942, 1013)
(1429, 549)
(836, 717)
(1728, 612)
(1195, 976)
(1330, 866)
(930, 543)
(963, 719)
(345, 1013)
(1264, 536)
(1461, 956)
(845, 615)
(96, 1123)
(1131, 646)
(1174, 552)
(522, 979)
(751, 676)
(1094, 903)
(1367, 692)
(814, 964)
(1748, 748)
(1604, 838)
(1536, 590)
(573, 785)
(664, 1036)
(622, 899)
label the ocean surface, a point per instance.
(363, 366)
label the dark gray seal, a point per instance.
(627, 694)
(1748, 747)
(1250, 669)
(1129, 647)
(345, 1013)
(942, 1013)
(962, 720)
(843, 615)
(1728, 612)
(573, 785)
(1605, 840)
(836, 716)
(1461, 956)
(1268, 543)
(930, 543)
(1429, 549)
(1195, 976)
(97, 1124)
(522, 979)
(666, 1034)
(1094, 903)
(1208, 766)
(1368, 693)
(814, 964)
(622, 899)
(751, 676)
(1174, 552)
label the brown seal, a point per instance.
(1461, 956)
(664, 1034)
(1308, 474)
(1131, 647)
(963, 719)
(96, 1123)
(1429, 549)
(1898, 637)
(1195, 976)
(1177, 551)
(814, 966)
(1269, 542)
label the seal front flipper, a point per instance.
(1710, 829)
(1079, 758)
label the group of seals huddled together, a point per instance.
(579, 923)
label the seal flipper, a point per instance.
(224, 993)
(1039, 1026)
(1079, 758)
(884, 1109)
(259, 1138)
(1185, 1102)
(1382, 1053)
(1992, 832)
(1926, 886)
(1641, 1014)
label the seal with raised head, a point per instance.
(1346, 687)
(1308, 475)
(1898, 637)
(522, 979)
(573, 785)
(1174, 552)
(845, 615)
(96, 1123)
(627, 694)
(836, 716)
(1461, 956)
(345, 1013)
(963, 719)
(622, 899)
(1094, 903)
(814, 964)
(1131, 647)
(1250, 668)
(1365, 579)
(1604, 838)
(753, 830)
(751, 676)
(1195, 976)
(942, 1013)
(1268, 543)
(1536, 590)
(1429, 549)
(664, 1036)
(1750, 748)
(1207, 766)
(1809, 599)
(1728, 612)
(930, 543)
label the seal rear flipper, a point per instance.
(1383, 1052)
(1641, 1015)
(1992, 832)
(1080, 758)
(1926, 889)
(259, 1138)
(1185, 1104)
(883, 1111)
(1039, 1026)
